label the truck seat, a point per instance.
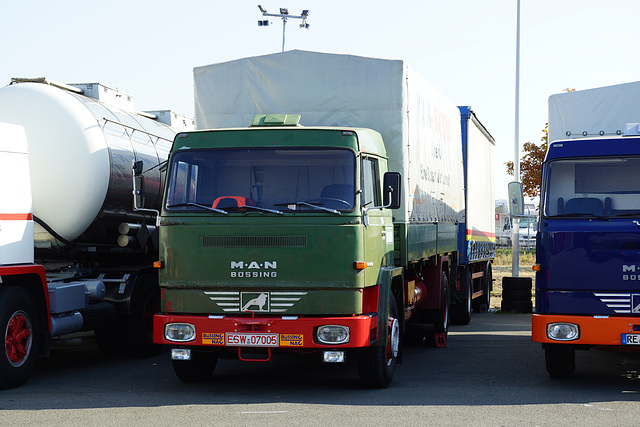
(338, 191)
(587, 205)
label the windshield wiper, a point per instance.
(258, 208)
(580, 215)
(322, 208)
(628, 215)
(209, 208)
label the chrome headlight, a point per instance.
(180, 332)
(563, 331)
(332, 334)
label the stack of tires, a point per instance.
(516, 295)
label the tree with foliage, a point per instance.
(531, 164)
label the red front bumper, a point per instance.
(292, 332)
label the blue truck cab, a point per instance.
(587, 291)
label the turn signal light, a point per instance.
(361, 265)
(536, 267)
(158, 264)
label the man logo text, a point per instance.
(254, 269)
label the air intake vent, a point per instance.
(615, 245)
(254, 241)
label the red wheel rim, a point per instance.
(18, 338)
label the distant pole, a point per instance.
(284, 26)
(515, 237)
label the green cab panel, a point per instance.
(254, 255)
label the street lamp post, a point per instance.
(284, 14)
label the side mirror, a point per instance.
(137, 167)
(516, 199)
(139, 191)
(391, 190)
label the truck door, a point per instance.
(379, 233)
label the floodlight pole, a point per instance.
(284, 26)
(284, 15)
(515, 236)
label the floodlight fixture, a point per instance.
(284, 15)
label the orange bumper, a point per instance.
(594, 330)
(283, 332)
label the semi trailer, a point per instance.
(74, 253)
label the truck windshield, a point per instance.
(594, 187)
(262, 181)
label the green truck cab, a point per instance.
(280, 238)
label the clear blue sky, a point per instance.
(465, 48)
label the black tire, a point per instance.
(133, 334)
(440, 316)
(516, 306)
(146, 303)
(516, 283)
(560, 360)
(461, 310)
(516, 294)
(199, 368)
(19, 323)
(376, 365)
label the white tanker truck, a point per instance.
(74, 253)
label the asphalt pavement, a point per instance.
(490, 374)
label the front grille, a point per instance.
(254, 241)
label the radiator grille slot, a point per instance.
(616, 245)
(254, 241)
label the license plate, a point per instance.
(630, 339)
(240, 339)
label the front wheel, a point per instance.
(560, 360)
(199, 368)
(376, 365)
(19, 323)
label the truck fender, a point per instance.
(33, 279)
(391, 279)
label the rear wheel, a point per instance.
(376, 365)
(440, 316)
(483, 302)
(461, 310)
(199, 368)
(19, 325)
(560, 360)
